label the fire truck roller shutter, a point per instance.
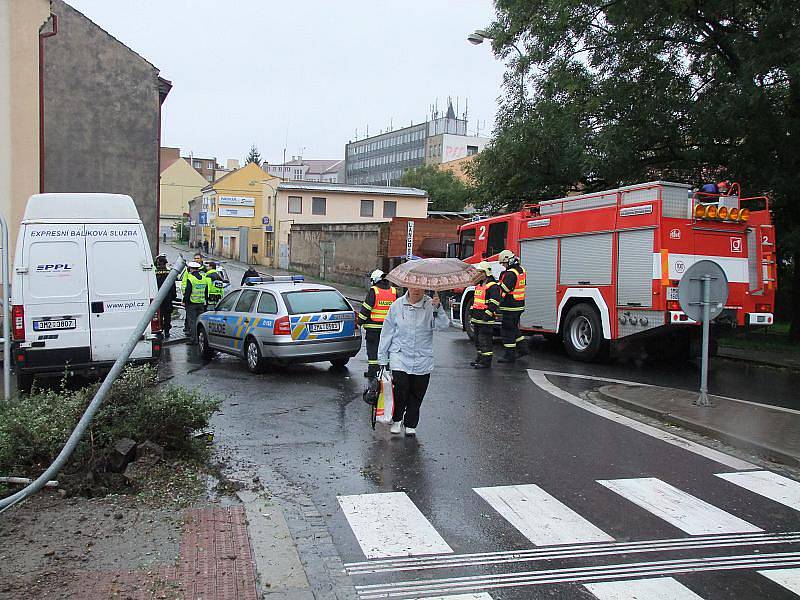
(635, 268)
(539, 258)
(586, 259)
(752, 261)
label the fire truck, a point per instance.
(603, 268)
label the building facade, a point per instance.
(299, 169)
(102, 116)
(179, 183)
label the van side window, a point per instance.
(246, 301)
(467, 243)
(497, 238)
(267, 304)
(228, 301)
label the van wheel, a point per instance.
(340, 363)
(252, 356)
(202, 341)
(24, 382)
(583, 334)
(466, 312)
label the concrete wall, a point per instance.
(345, 253)
(20, 21)
(102, 114)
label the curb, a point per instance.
(762, 449)
(757, 362)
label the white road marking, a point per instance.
(540, 517)
(657, 588)
(539, 378)
(389, 524)
(770, 485)
(678, 508)
(788, 578)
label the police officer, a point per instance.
(512, 285)
(195, 298)
(165, 310)
(198, 258)
(215, 283)
(372, 314)
(485, 305)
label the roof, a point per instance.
(315, 166)
(313, 186)
(81, 207)
(288, 286)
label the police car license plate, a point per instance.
(51, 325)
(672, 293)
(325, 327)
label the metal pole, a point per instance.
(703, 399)
(94, 405)
(6, 313)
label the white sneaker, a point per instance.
(397, 427)
(411, 431)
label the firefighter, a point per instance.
(165, 309)
(485, 305)
(195, 298)
(512, 285)
(215, 283)
(372, 314)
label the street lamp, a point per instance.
(479, 35)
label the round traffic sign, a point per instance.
(690, 289)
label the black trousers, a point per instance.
(165, 317)
(409, 390)
(372, 337)
(484, 334)
(509, 329)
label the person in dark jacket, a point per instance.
(485, 306)
(165, 309)
(251, 272)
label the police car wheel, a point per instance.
(202, 342)
(252, 355)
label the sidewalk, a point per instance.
(761, 357)
(772, 432)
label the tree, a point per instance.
(446, 191)
(627, 91)
(254, 156)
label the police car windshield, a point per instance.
(314, 301)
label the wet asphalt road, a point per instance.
(486, 429)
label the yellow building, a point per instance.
(458, 168)
(230, 217)
(178, 184)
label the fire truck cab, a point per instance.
(605, 267)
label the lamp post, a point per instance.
(479, 35)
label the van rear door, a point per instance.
(121, 281)
(55, 292)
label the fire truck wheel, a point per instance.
(468, 327)
(583, 333)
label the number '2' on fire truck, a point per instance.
(606, 266)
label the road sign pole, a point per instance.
(703, 400)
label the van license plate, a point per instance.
(50, 325)
(324, 327)
(672, 293)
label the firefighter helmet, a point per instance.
(377, 275)
(485, 267)
(505, 256)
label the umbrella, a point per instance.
(434, 274)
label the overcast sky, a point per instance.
(305, 75)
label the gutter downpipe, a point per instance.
(97, 401)
(42, 37)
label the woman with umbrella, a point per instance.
(406, 345)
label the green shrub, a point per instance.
(34, 428)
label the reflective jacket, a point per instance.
(196, 291)
(486, 302)
(215, 285)
(376, 305)
(407, 336)
(512, 282)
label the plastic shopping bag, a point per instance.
(385, 406)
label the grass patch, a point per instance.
(34, 428)
(772, 339)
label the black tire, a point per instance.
(466, 310)
(252, 356)
(583, 334)
(24, 382)
(340, 363)
(206, 351)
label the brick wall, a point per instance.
(393, 234)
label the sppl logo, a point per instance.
(675, 234)
(54, 268)
(680, 266)
(736, 244)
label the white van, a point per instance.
(83, 276)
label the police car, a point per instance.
(281, 320)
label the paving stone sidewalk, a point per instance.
(770, 431)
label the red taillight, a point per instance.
(763, 308)
(673, 305)
(282, 327)
(18, 322)
(155, 323)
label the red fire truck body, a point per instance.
(606, 266)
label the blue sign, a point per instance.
(267, 228)
(265, 220)
(203, 218)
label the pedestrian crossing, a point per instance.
(408, 557)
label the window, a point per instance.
(367, 208)
(467, 243)
(472, 150)
(267, 304)
(268, 244)
(246, 301)
(389, 209)
(210, 177)
(315, 301)
(228, 301)
(318, 206)
(497, 238)
(211, 164)
(197, 164)
(295, 205)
